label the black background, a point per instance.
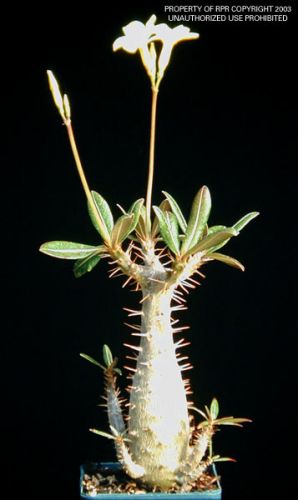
(227, 118)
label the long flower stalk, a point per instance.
(151, 160)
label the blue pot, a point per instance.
(114, 466)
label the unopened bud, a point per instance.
(54, 87)
(66, 106)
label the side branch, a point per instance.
(113, 402)
(195, 464)
(125, 264)
(117, 425)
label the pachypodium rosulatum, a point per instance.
(157, 439)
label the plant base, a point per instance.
(109, 477)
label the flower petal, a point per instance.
(134, 28)
(148, 60)
(151, 22)
(174, 35)
(129, 44)
(164, 57)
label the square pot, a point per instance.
(115, 466)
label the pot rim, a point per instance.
(200, 495)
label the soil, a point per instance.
(98, 479)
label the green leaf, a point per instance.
(121, 229)
(67, 249)
(105, 216)
(176, 210)
(205, 231)
(91, 360)
(96, 363)
(214, 409)
(230, 261)
(245, 220)
(164, 206)
(135, 209)
(127, 223)
(141, 224)
(207, 412)
(216, 229)
(199, 215)
(212, 240)
(107, 355)
(238, 226)
(231, 421)
(86, 265)
(169, 229)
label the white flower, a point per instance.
(139, 36)
(169, 37)
(136, 36)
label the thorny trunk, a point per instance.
(158, 418)
(159, 446)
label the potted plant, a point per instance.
(158, 443)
